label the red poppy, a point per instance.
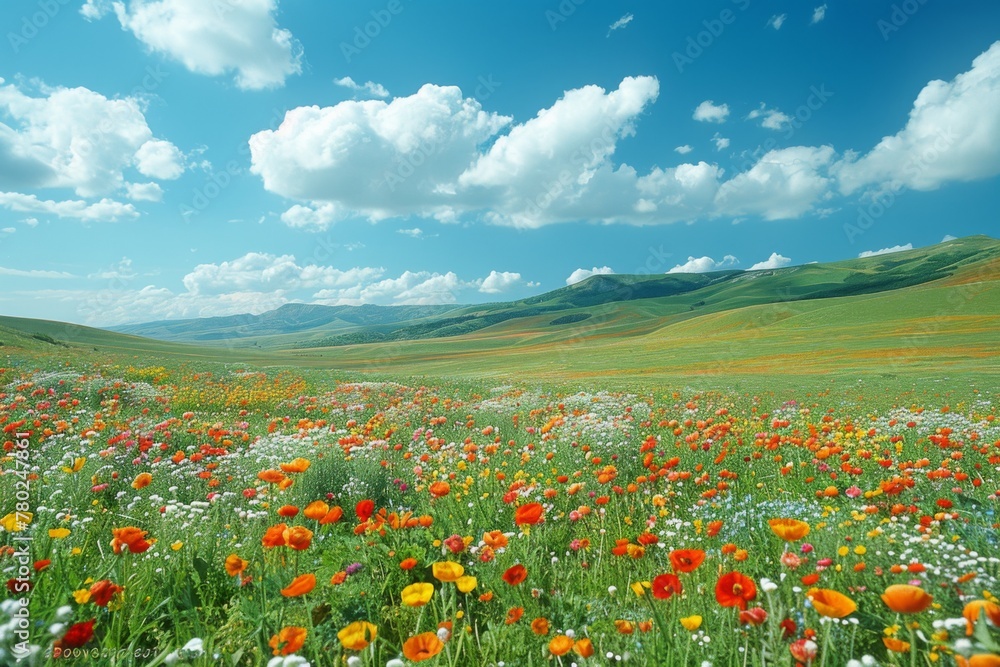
(735, 590)
(753, 616)
(364, 509)
(529, 514)
(102, 591)
(666, 585)
(686, 560)
(515, 574)
(77, 635)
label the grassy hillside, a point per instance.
(732, 325)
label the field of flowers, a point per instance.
(234, 516)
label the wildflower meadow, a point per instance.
(230, 515)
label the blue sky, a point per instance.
(162, 159)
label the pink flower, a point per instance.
(806, 548)
(790, 560)
(853, 492)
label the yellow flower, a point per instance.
(417, 595)
(15, 522)
(447, 570)
(358, 635)
(177, 545)
(639, 587)
(691, 623)
(58, 533)
(466, 583)
(77, 466)
(82, 596)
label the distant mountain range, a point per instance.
(659, 299)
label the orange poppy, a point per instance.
(142, 480)
(289, 640)
(515, 574)
(235, 565)
(495, 539)
(408, 563)
(300, 585)
(316, 510)
(896, 645)
(686, 560)
(274, 536)
(980, 608)
(131, 537)
(296, 465)
(540, 626)
(420, 647)
(979, 660)
(271, 476)
(333, 516)
(830, 603)
(560, 645)
(298, 537)
(624, 627)
(529, 514)
(102, 591)
(734, 590)
(288, 511)
(514, 615)
(583, 647)
(439, 489)
(906, 599)
(789, 530)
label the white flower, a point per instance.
(354, 661)
(767, 585)
(612, 590)
(288, 661)
(395, 662)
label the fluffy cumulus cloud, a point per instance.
(212, 37)
(784, 183)
(684, 150)
(498, 282)
(886, 251)
(79, 139)
(704, 265)
(819, 14)
(710, 112)
(953, 134)
(775, 261)
(369, 88)
(262, 271)
(104, 210)
(439, 154)
(372, 157)
(582, 274)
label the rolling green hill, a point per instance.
(923, 313)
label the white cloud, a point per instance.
(952, 134)
(773, 119)
(819, 14)
(105, 210)
(372, 157)
(721, 142)
(34, 273)
(709, 112)
(320, 217)
(122, 271)
(144, 191)
(582, 274)
(212, 37)
(498, 282)
(159, 159)
(9, 230)
(775, 261)
(704, 265)
(419, 288)
(415, 233)
(368, 87)
(886, 251)
(784, 183)
(77, 138)
(620, 23)
(683, 150)
(777, 21)
(263, 271)
(949, 237)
